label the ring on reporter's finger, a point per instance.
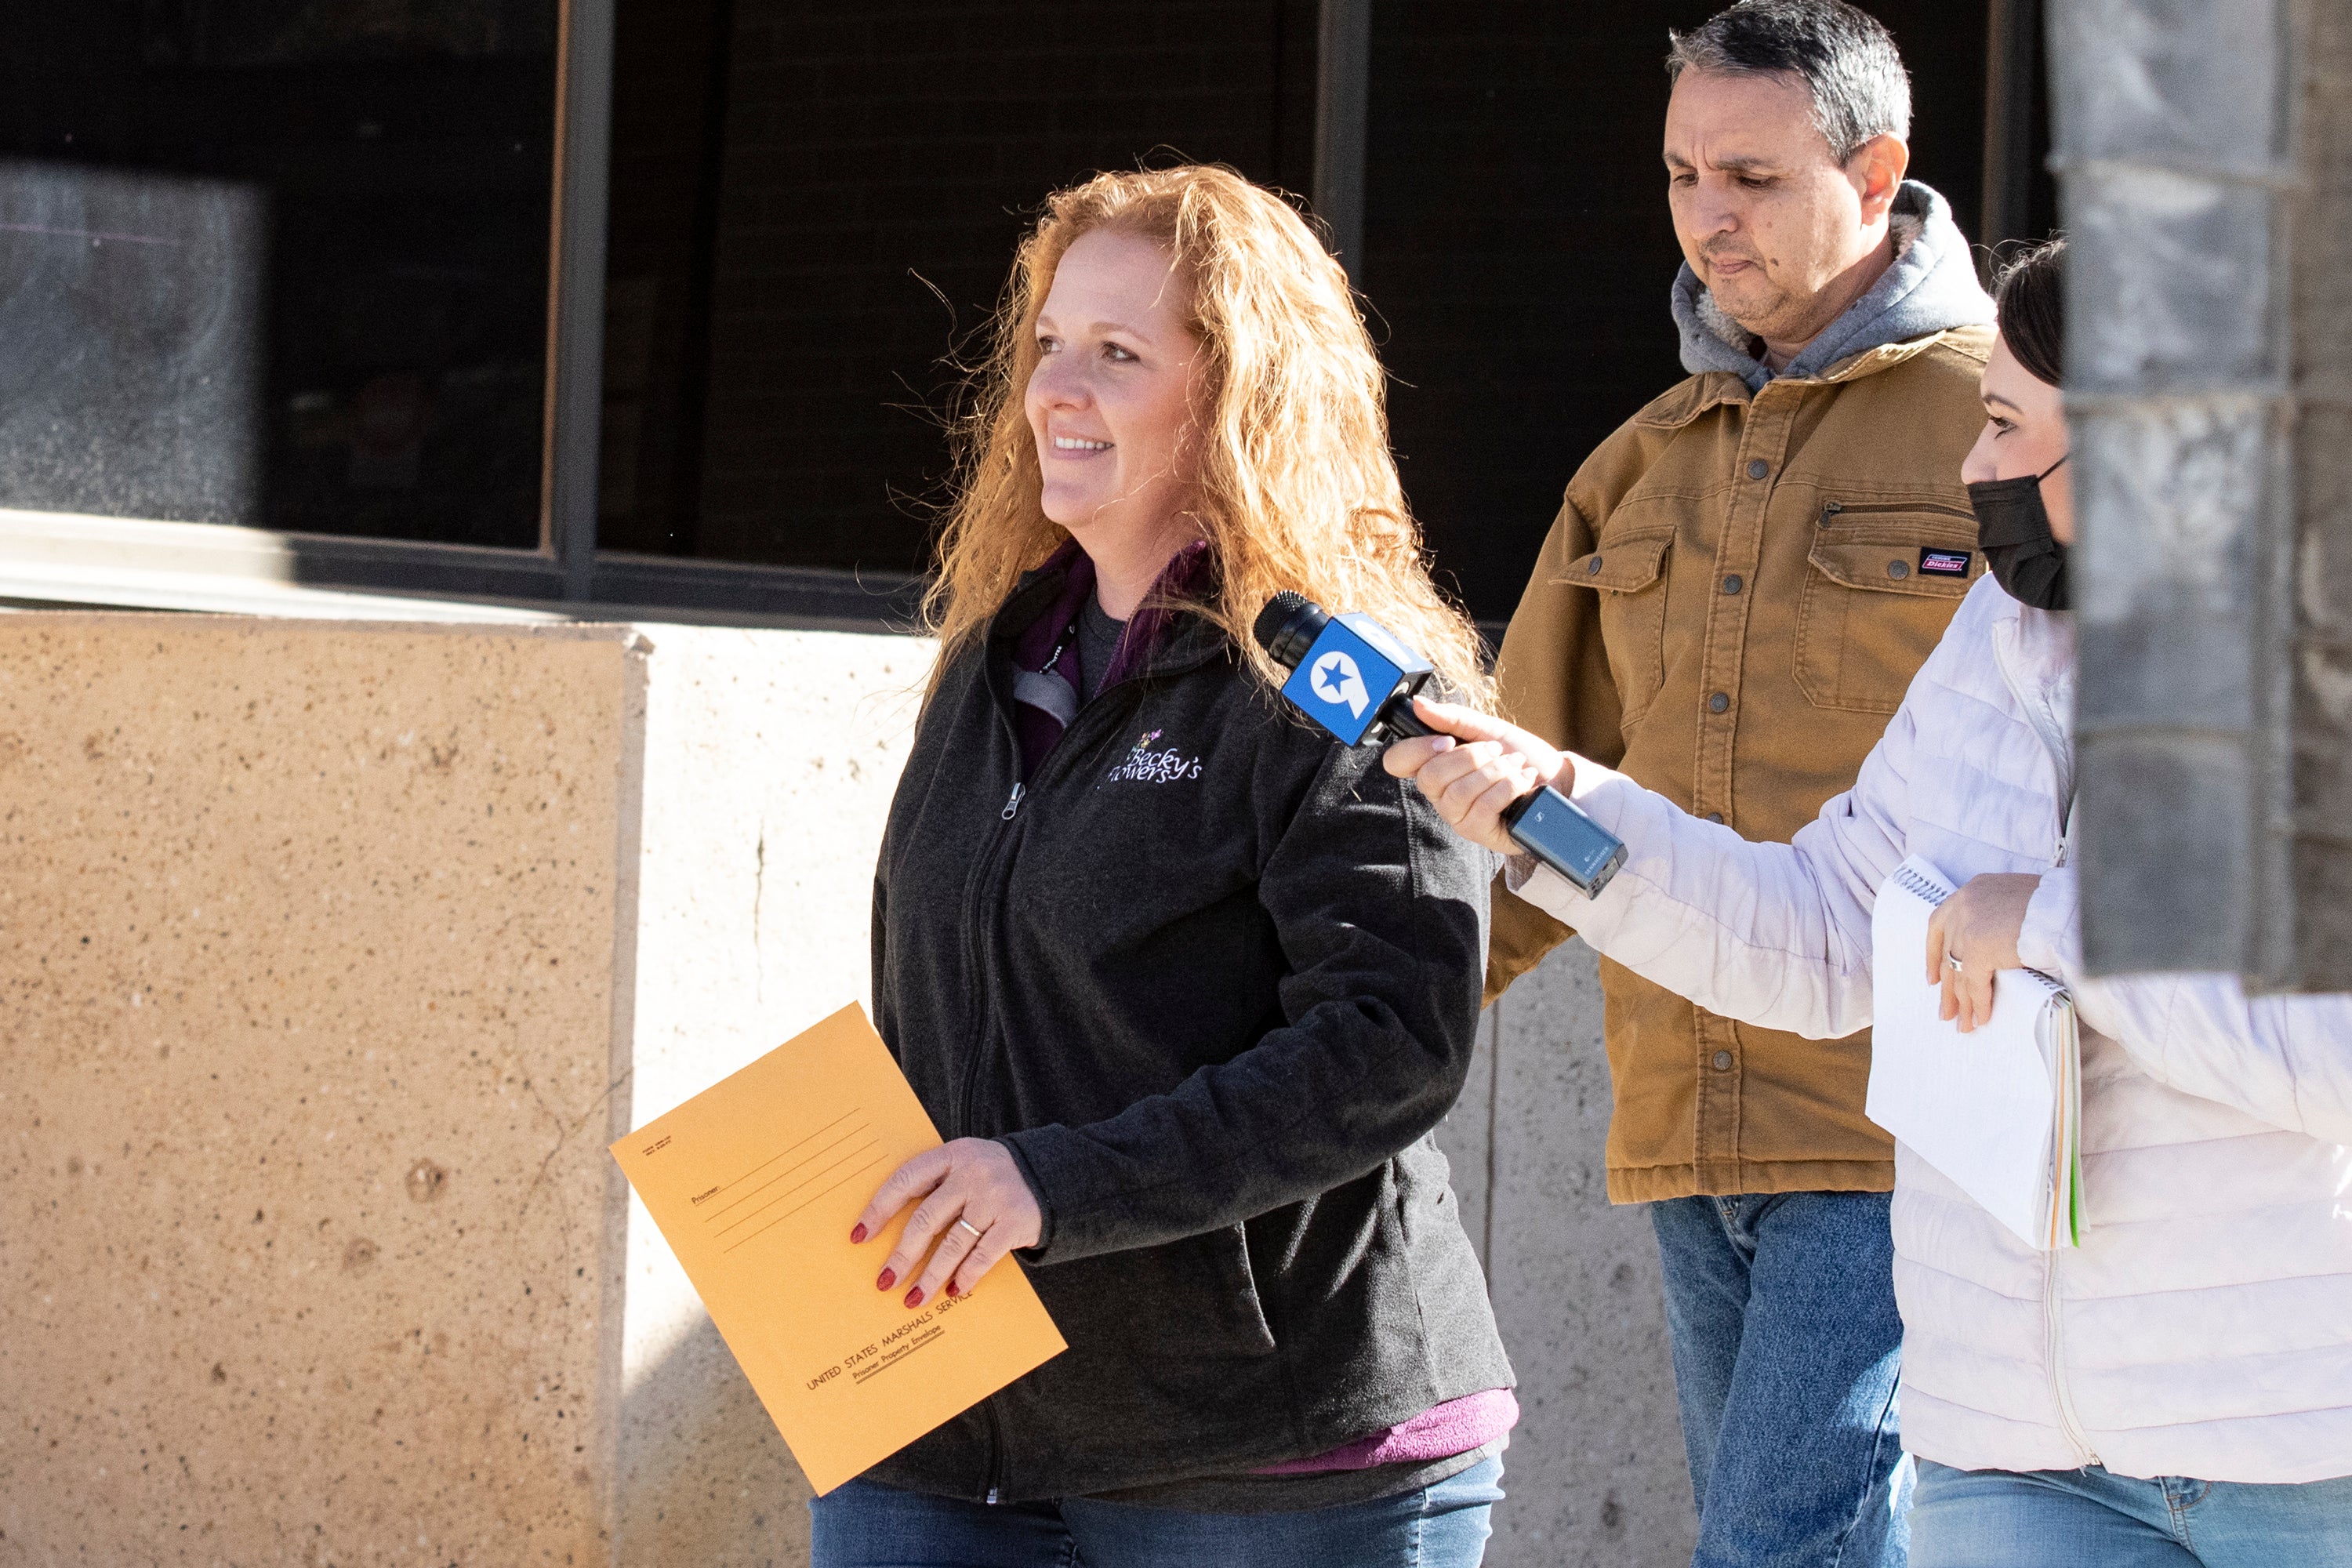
(965, 1225)
(1958, 967)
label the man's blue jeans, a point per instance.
(1786, 1340)
(2059, 1519)
(866, 1525)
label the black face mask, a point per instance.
(2024, 557)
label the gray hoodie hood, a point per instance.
(1931, 287)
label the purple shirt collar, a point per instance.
(1038, 731)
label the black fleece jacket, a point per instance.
(1214, 979)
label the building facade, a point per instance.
(553, 388)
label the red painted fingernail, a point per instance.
(915, 1296)
(951, 1288)
(889, 1278)
(856, 1235)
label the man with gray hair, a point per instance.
(1738, 590)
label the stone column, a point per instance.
(332, 956)
(1595, 1474)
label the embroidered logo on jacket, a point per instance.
(1944, 563)
(1144, 765)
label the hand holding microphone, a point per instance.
(1474, 769)
(1354, 679)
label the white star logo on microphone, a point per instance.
(1336, 680)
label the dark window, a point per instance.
(813, 206)
(288, 264)
(282, 263)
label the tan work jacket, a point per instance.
(1730, 605)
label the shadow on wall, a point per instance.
(704, 1477)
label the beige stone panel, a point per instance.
(306, 938)
(770, 762)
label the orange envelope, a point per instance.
(755, 1182)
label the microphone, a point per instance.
(1356, 681)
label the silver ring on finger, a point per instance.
(962, 1223)
(1958, 967)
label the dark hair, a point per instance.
(1844, 55)
(2029, 304)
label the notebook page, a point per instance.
(1982, 1107)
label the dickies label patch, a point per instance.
(1944, 563)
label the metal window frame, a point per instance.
(2013, 53)
(1343, 70)
(68, 559)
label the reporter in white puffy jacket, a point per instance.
(2179, 1391)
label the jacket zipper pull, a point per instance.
(1012, 803)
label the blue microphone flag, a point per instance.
(1349, 674)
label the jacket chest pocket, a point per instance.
(1630, 575)
(1882, 583)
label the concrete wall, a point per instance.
(306, 945)
(1595, 1474)
(332, 955)
(769, 759)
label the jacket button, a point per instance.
(1898, 570)
(1758, 468)
(1723, 1061)
(1731, 585)
(1718, 703)
(1715, 816)
(1592, 567)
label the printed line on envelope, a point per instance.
(831, 1154)
(876, 1368)
(730, 1186)
(846, 1176)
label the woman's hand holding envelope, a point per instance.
(974, 1204)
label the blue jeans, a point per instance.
(2059, 1518)
(863, 1524)
(1786, 1340)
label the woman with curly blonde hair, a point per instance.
(1186, 983)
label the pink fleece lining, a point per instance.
(1439, 1432)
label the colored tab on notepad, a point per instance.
(755, 1183)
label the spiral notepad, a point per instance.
(1999, 1111)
